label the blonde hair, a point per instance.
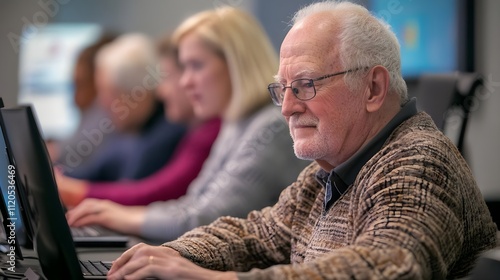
(244, 45)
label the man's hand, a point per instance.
(142, 261)
(124, 219)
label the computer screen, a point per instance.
(26, 209)
(53, 242)
(9, 209)
(431, 33)
(47, 60)
(14, 193)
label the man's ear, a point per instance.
(378, 86)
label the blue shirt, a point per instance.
(126, 156)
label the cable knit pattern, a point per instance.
(413, 212)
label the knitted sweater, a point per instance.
(413, 212)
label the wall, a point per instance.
(14, 14)
(154, 17)
(483, 136)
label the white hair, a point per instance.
(127, 59)
(365, 41)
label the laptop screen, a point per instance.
(18, 199)
(53, 242)
(9, 207)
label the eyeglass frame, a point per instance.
(284, 87)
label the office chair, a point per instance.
(439, 95)
(487, 267)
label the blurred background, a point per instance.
(40, 40)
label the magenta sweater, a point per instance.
(172, 180)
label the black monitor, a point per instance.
(11, 219)
(53, 241)
(9, 208)
(24, 228)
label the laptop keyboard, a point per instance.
(94, 268)
(89, 231)
(97, 236)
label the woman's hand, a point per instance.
(72, 191)
(117, 217)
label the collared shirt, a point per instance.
(341, 177)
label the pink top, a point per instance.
(172, 180)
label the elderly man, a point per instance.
(388, 196)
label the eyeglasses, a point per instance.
(303, 89)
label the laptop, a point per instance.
(52, 237)
(26, 148)
(9, 208)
